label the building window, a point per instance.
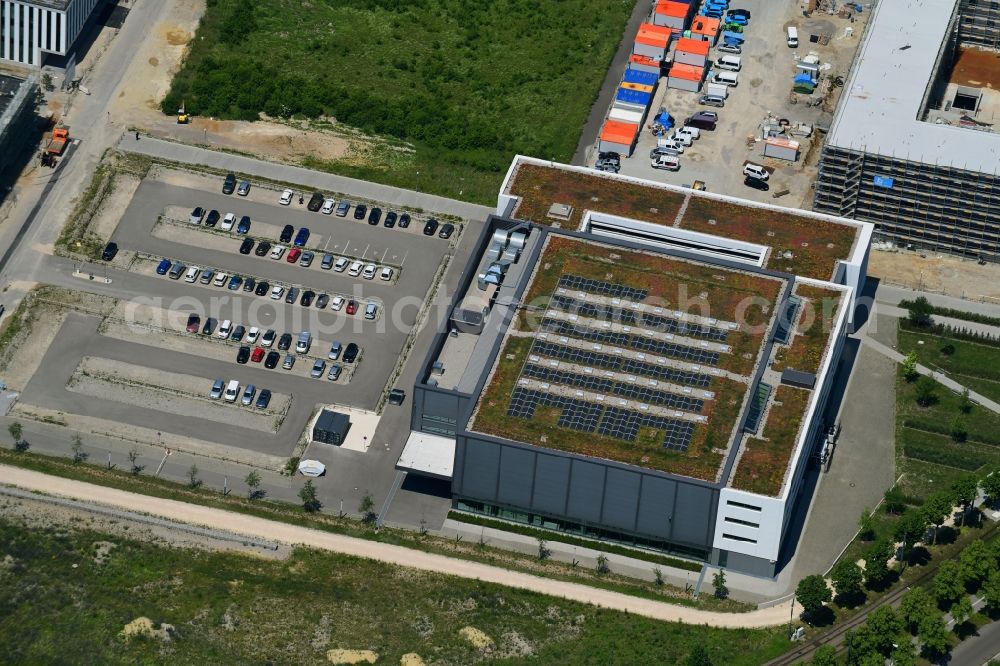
(737, 521)
(741, 505)
(738, 538)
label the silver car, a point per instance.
(318, 368)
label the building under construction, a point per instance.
(17, 104)
(912, 148)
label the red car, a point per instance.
(257, 355)
(293, 255)
(193, 323)
(352, 307)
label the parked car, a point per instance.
(735, 49)
(360, 211)
(447, 229)
(317, 370)
(712, 100)
(262, 288)
(258, 355)
(390, 219)
(192, 274)
(229, 184)
(244, 188)
(225, 330)
(163, 267)
(369, 271)
(263, 248)
(232, 391)
(271, 362)
(670, 146)
(397, 396)
(249, 284)
(193, 323)
(355, 269)
(238, 333)
(315, 202)
(322, 300)
(288, 362)
(755, 171)
(327, 262)
(350, 353)
(217, 387)
(228, 221)
(207, 275)
(741, 13)
(342, 208)
(386, 273)
(335, 350)
(244, 226)
(661, 150)
(337, 303)
(430, 227)
(375, 216)
(303, 343)
(220, 279)
(352, 307)
(263, 399)
(197, 215)
(285, 341)
(341, 264)
(243, 355)
(286, 234)
(306, 260)
(292, 295)
(328, 206)
(334, 373)
(212, 218)
(302, 237)
(110, 250)
(235, 282)
(756, 183)
(277, 291)
(404, 221)
(209, 327)
(293, 255)
(246, 246)
(176, 271)
(285, 198)
(249, 393)
(371, 310)
(277, 251)
(666, 162)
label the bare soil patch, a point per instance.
(977, 68)
(945, 274)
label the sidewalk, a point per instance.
(327, 182)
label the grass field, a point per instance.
(971, 364)
(61, 605)
(468, 84)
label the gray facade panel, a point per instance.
(480, 468)
(693, 514)
(656, 506)
(551, 484)
(585, 491)
(517, 472)
(621, 498)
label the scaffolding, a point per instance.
(979, 24)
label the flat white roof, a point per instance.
(880, 110)
(429, 455)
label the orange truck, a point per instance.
(58, 140)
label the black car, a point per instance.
(292, 295)
(756, 183)
(271, 362)
(246, 246)
(229, 185)
(741, 13)
(238, 333)
(285, 341)
(397, 396)
(249, 284)
(307, 298)
(315, 201)
(404, 220)
(350, 353)
(110, 250)
(263, 248)
(430, 227)
(360, 211)
(213, 218)
(390, 219)
(262, 289)
(243, 355)
(209, 326)
(375, 216)
(447, 230)
(263, 398)
(609, 156)
(322, 300)
(286, 234)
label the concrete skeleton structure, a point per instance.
(16, 117)
(892, 156)
(29, 29)
(593, 365)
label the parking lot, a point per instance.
(764, 91)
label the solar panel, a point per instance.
(574, 355)
(576, 414)
(630, 317)
(625, 423)
(659, 398)
(610, 289)
(685, 377)
(588, 382)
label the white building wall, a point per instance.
(27, 31)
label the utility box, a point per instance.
(331, 427)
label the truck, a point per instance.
(57, 142)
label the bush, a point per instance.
(959, 432)
(920, 312)
(926, 394)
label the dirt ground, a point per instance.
(977, 68)
(937, 273)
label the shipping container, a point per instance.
(686, 77)
(783, 149)
(627, 116)
(632, 76)
(641, 63)
(618, 137)
(633, 97)
(672, 14)
(691, 52)
(639, 87)
(705, 28)
(652, 41)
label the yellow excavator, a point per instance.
(182, 115)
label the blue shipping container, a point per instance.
(643, 78)
(633, 97)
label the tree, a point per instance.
(133, 460)
(875, 638)
(698, 657)
(965, 491)
(307, 493)
(15, 431)
(926, 392)
(903, 654)
(825, 655)
(948, 583)
(847, 577)
(877, 564)
(193, 480)
(910, 372)
(915, 606)
(366, 509)
(965, 404)
(602, 564)
(545, 553)
(990, 591)
(253, 485)
(920, 312)
(909, 529)
(959, 432)
(962, 610)
(812, 593)
(976, 563)
(47, 82)
(936, 510)
(991, 487)
(933, 635)
(719, 583)
(866, 524)
(79, 455)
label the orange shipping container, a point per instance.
(705, 26)
(674, 9)
(638, 86)
(696, 46)
(689, 72)
(615, 131)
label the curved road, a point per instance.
(261, 528)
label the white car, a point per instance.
(668, 162)
(192, 274)
(328, 206)
(684, 139)
(277, 251)
(285, 198)
(386, 273)
(252, 335)
(227, 222)
(755, 171)
(671, 144)
(337, 302)
(692, 132)
(370, 271)
(341, 264)
(225, 330)
(277, 291)
(355, 269)
(221, 279)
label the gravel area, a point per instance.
(114, 204)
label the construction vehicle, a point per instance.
(57, 142)
(182, 115)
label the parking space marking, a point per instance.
(404, 258)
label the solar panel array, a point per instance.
(633, 341)
(630, 317)
(613, 422)
(574, 379)
(574, 355)
(610, 289)
(665, 373)
(628, 390)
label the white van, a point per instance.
(730, 62)
(684, 139)
(668, 162)
(225, 330)
(692, 132)
(726, 78)
(232, 390)
(755, 171)
(793, 37)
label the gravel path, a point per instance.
(398, 555)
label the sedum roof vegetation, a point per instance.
(801, 245)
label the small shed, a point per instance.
(781, 148)
(641, 63)
(618, 137)
(331, 427)
(691, 52)
(673, 15)
(797, 378)
(705, 27)
(652, 41)
(686, 77)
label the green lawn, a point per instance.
(59, 605)
(468, 84)
(972, 364)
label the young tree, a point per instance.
(366, 509)
(825, 655)
(847, 577)
(79, 455)
(965, 403)
(133, 459)
(915, 606)
(961, 610)
(959, 432)
(719, 584)
(909, 530)
(936, 510)
(812, 593)
(965, 491)
(926, 392)
(545, 553)
(15, 431)
(193, 480)
(976, 563)
(866, 524)
(253, 485)
(948, 583)
(910, 372)
(920, 312)
(658, 576)
(307, 493)
(602, 565)
(698, 657)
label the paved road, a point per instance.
(305, 178)
(979, 649)
(893, 295)
(382, 552)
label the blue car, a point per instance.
(711, 13)
(244, 226)
(302, 237)
(163, 267)
(235, 282)
(737, 19)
